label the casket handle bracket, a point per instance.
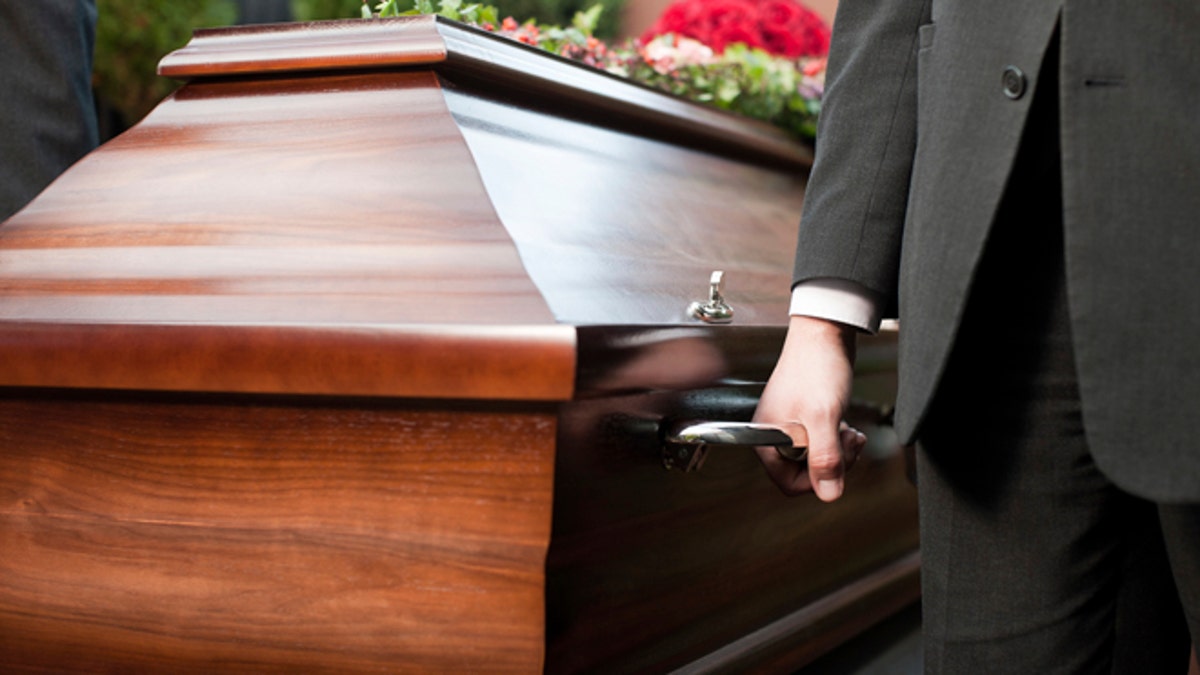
(685, 443)
(715, 309)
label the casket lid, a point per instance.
(316, 212)
(452, 47)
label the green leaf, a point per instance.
(587, 20)
(387, 8)
(470, 13)
(449, 8)
(727, 91)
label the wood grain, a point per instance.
(289, 201)
(534, 363)
(490, 63)
(323, 45)
(184, 534)
(300, 371)
(627, 230)
(279, 237)
(651, 570)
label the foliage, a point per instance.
(560, 12)
(131, 37)
(320, 10)
(451, 9)
(744, 80)
(550, 12)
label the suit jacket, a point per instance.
(47, 117)
(925, 105)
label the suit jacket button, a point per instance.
(1014, 82)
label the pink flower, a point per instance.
(668, 52)
(814, 67)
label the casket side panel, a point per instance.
(147, 532)
(652, 570)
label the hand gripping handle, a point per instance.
(686, 442)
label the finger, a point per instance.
(853, 441)
(791, 477)
(826, 465)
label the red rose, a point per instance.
(781, 41)
(729, 12)
(677, 18)
(728, 34)
(814, 35)
(782, 27)
(785, 14)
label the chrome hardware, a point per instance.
(715, 310)
(685, 444)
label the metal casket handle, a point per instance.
(686, 443)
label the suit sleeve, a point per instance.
(837, 300)
(857, 195)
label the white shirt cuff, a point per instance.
(838, 300)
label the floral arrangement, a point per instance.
(780, 27)
(763, 59)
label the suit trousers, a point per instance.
(1032, 560)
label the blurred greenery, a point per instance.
(560, 12)
(544, 12)
(132, 35)
(319, 10)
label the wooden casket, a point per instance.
(356, 354)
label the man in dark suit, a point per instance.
(47, 117)
(1019, 179)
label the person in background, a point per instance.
(264, 11)
(1018, 180)
(47, 116)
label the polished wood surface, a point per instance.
(650, 570)
(273, 202)
(325, 45)
(207, 534)
(294, 239)
(635, 227)
(453, 362)
(488, 62)
(353, 356)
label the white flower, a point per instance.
(667, 52)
